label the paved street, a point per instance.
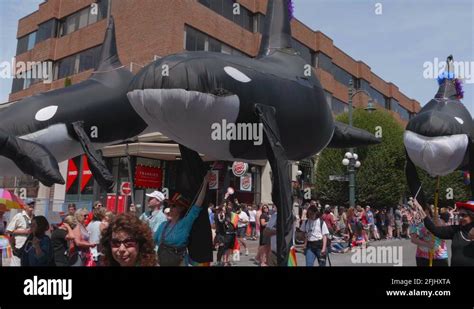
(408, 251)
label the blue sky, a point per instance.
(394, 44)
(397, 43)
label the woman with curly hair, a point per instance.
(127, 241)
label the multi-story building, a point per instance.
(69, 34)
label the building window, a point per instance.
(342, 75)
(66, 67)
(378, 97)
(403, 112)
(47, 30)
(304, 51)
(323, 62)
(24, 82)
(362, 84)
(338, 106)
(226, 8)
(83, 18)
(196, 40)
(394, 105)
(26, 43)
(89, 59)
(78, 63)
(18, 84)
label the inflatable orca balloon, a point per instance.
(41, 130)
(440, 138)
(192, 97)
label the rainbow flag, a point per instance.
(236, 250)
(234, 218)
(5, 247)
(292, 262)
(466, 178)
(197, 264)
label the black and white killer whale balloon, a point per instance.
(439, 139)
(41, 130)
(187, 96)
(201, 89)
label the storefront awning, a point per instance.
(158, 151)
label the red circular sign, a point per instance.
(125, 188)
(239, 168)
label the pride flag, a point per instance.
(236, 250)
(197, 264)
(292, 262)
(234, 218)
(5, 247)
(466, 178)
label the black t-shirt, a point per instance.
(265, 217)
(60, 247)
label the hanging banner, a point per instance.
(86, 174)
(214, 180)
(246, 182)
(239, 168)
(114, 201)
(72, 173)
(148, 177)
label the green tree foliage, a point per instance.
(380, 181)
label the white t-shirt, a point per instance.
(94, 231)
(253, 215)
(243, 217)
(19, 221)
(272, 225)
(313, 230)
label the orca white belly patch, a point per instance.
(187, 116)
(440, 155)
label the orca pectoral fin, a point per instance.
(96, 163)
(31, 158)
(281, 187)
(348, 137)
(189, 184)
(413, 181)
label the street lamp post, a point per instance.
(350, 161)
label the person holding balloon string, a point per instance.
(428, 246)
(462, 235)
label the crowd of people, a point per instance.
(160, 235)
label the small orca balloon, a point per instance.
(41, 130)
(439, 139)
(192, 97)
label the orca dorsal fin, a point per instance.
(108, 54)
(447, 90)
(277, 29)
(447, 82)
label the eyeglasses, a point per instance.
(128, 243)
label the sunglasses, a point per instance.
(128, 243)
